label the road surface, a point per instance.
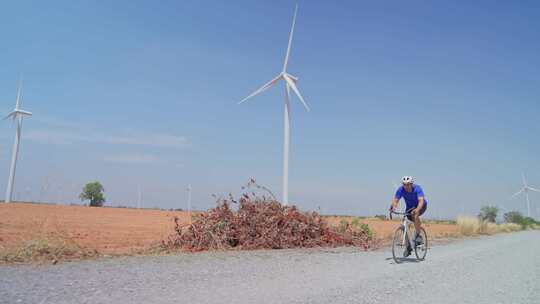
(496, 269)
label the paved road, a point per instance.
(496, 269)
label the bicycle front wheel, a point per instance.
(420, 250)
(398, 246)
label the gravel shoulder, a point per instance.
(504, 268)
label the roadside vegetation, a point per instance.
(258, 221)
(525, 222)
(485, 222)
(254, 221)
(50, 250)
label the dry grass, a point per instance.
(469, 226)
(509, 227)
(53, 244)
(45, 250)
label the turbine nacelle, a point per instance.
(290, 83)
(16, 113)
(294, 78)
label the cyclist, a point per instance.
(415, 203)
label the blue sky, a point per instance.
(136, 92)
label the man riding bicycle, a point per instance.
(415, 203)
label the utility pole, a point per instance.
(189, 202)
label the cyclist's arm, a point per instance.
(395, 202)
(396, 198)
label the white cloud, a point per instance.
(64, 137)
(53, 137)
(154, 140)
(132, 159)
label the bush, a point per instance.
(488, 213)
(515, 217)
(355, 225)
(468, 225)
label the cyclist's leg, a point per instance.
(417, 221)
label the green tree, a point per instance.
(488, 213)
(513, 217)
(93, 191)
(517, 218)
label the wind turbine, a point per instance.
(139, 196)
(525, 189)
(290, 83)
(17, 115)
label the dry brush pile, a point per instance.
(261, 222)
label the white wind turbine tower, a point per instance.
(525, 189)
(17, 115)
(139, 196)
(290, 83)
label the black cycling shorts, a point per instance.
(424, 208)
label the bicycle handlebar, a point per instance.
(399, 213)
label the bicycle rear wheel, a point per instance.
(421, 250)
(398, 247)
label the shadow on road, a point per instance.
(404, 260)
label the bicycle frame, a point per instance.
(405, 222)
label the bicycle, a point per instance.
(401, 241)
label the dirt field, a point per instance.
(121, 230)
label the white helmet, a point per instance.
(407, 180)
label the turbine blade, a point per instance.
(518, 193)
(24, 112)
(10, 115)
(295, 89)
(533, 189)
(265, 87)
(290, 40)
(19, 89)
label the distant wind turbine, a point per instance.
(290, 83)
(189, 202)
(17, 115)
(139, 196)
(525, 189)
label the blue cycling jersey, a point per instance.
(411, 198)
